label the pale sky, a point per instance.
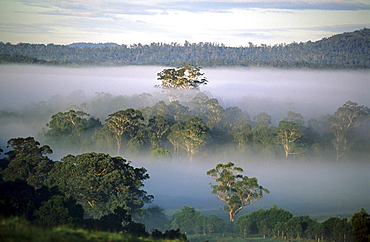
(233, 22)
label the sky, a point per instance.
(233, 22)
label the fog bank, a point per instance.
(255, 90)
(320, 188)
(326, 187)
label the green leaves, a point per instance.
(27, 161)
(346, 118)
(70, 129)
(234, 189)
(124, 121)
(100, 182)
(184, 77)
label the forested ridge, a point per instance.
(347, 50)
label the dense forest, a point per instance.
(91, 186)
(196, 128)
(347, 50)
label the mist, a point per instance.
(275, 91)
(323, 188)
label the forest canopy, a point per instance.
(347, 50)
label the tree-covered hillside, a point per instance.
(347, 50)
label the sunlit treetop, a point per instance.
(183, 77)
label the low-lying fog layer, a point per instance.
(275, 91)
(300, 187)
(318, 188)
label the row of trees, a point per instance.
(204, 126)
(276, 223)
(279, 223)
(339, 51)
(192, 124)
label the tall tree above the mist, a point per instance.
(235, 189)
(123, 121)
(349, 116)
(185, 77)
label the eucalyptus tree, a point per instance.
(193, 136)
(215, 112)
(263, 134)
(71, 129)
(27, 161)
(185, 77)
(262, 119)
(235, 189)
(287, 135)
(361, 225)
(346, 118)
(178, 112)
(100, 183)
(242, 134)
(123, 121)
(175, 136)
(159, 125)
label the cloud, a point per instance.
(233, 22)
(101, 7)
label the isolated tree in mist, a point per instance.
(181, 78)
(123, 121)
(346, 118)
(236, 190)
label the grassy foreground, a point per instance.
(17, 229)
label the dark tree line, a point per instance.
(93, 191)
(347, 50)
(275, 223)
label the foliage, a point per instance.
(100, 183)
(123, 121)
(337, 229)
(191, 221)
(183, 77)
(59, 210)
(16, 229)
(263, 222)
(71, 128)
(154, 218)
(161, 154)
(234, 189)
(27, 161)
(361, 225)
(347, 50)
(287, 134)
(347, 117)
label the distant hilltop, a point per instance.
(347, 50)
(92, 45)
